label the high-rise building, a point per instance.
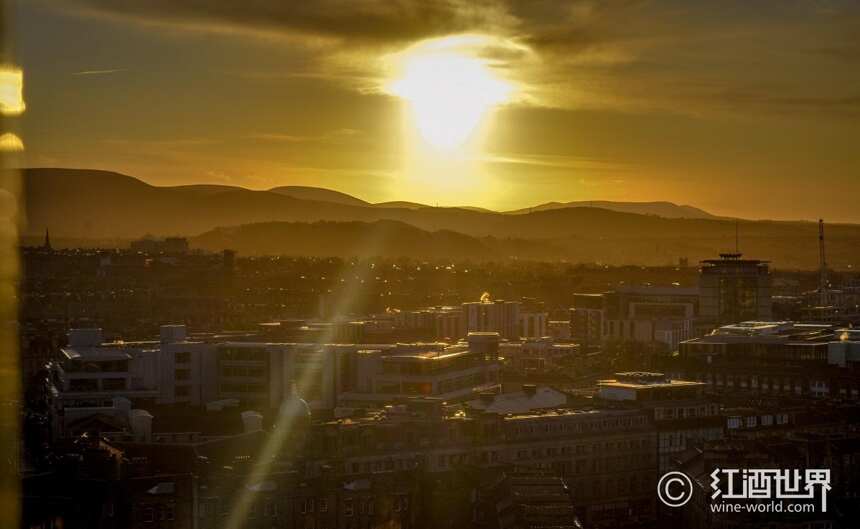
(498, 316)
(732, 290)
(533, 324)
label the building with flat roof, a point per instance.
(530, 398)
(498, 316)
(775, 358)
(178, 371)
(662, 316)
(684, 416)
(732, 289)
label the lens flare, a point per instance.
(11, 91)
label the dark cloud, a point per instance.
(636, 54)
(364, 21)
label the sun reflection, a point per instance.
(449, 89)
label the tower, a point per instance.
(732, 290)
(47, 244)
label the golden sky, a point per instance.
(740, 108)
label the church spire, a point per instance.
(47, 245)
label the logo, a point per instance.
(762, 489)
(675, 489)
(771, 484)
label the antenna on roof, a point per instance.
(822, 266)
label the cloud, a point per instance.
(556, 161)
(99, 72)
(334, 136)
(634, 55)
(365, 21)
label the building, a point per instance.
(684, 417)
(537, 355)
(178, 371)
(775, 358)
(559, 329)
(732, 290)
(657, 316)
(607, 458)
(838, 451)
(451, 373)
(586, 319)
(498, 316)
(526, 501)
(165, 371)
(533, 324)
(531, 398)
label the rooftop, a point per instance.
(529, 399)
(769, 331)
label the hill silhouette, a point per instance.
(319, 194)
(668, 210)
(383, 238)
(87, 204)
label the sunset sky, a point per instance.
(741, 108)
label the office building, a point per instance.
(775, 358)
(683, 416)
(498, 316)
(657, 316)
(732, 289)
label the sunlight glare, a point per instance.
(11, 91)
(448, 89)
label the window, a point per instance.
(113, 384)
(183, 357)
(83, 384)
(348, 508)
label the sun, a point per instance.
(448, 88)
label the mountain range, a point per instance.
(100, 205)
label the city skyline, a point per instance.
(479, 264)
(745, 110)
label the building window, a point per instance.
(113, 384)
(83, 384)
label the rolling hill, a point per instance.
(668, 210)
(319, 194)
(385, 238)
(86, 204)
